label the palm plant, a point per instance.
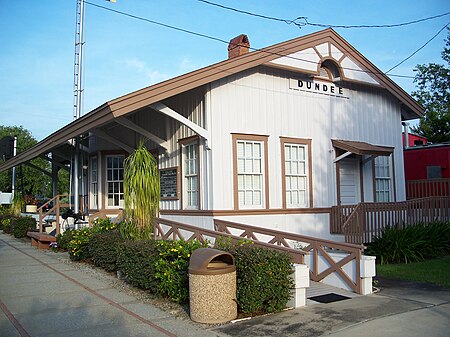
(141, 194)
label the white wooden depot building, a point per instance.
(274, 137)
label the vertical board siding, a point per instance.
(259, 101)
(189, 105)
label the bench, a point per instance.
(41, 241)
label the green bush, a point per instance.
(104, 249)
(102, 225)
(171, 268)
(79, 244)
(263, 277)
(159, 266)
(22, 225)
(136, 261)
(81, 238)
(64, 239)
(6, 225)
(411, 244)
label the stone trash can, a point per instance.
(212, 286)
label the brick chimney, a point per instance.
(238, 46)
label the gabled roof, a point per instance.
(144, 97)
(141, 98)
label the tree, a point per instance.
(141, 194)
(28, 180)
(433, 82)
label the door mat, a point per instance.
(328, 298)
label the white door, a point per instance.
(349, 181)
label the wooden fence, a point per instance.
(427, 188)
(297, 246)
(368, 219)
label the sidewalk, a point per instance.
(40, 295)
(399, 309)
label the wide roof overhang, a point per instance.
(95, 118)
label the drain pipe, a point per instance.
(406, 133)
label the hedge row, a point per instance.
(263, 276)
(17, 226)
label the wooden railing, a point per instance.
(297, 246)
(55, 204)
(339, 216)
(319, 249)
(369, 219)
(104, 213)
(427, 188)
(171, 230)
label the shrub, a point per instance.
(6, 225)
(136, 261)
(102, 225)
(104, 248)
(171, 268)
(22, 225)
(64, 239)
(411, 244)
(263, 277)
(79, 244)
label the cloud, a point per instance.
(153, 76)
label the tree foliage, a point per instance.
(433, 92)
(29, 181)
(141, 194)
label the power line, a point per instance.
(419, 49)
(307, 23)
(227, 42)
(298, 24)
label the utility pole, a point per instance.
(78, 96)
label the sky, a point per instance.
(123, 54)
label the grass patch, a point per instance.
(436, 271)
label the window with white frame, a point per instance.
(250, 173)
(190, 174)
(296, 173)
(114, 181)
(94, 183)
(382, 179)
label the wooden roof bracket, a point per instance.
(113, 140)
(164, 109)
(132, 126)
(342, 156)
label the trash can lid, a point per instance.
(210, 261)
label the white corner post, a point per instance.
(13, 187)
(367, 273)
(300, 276)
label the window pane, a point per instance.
(257, 150)
(240, 182)
(241, 165)
(257, 182)
(248, 198)
(240, 149)
(257, 198)
(257, 166)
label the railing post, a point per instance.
(40, 221)
(58, 230)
